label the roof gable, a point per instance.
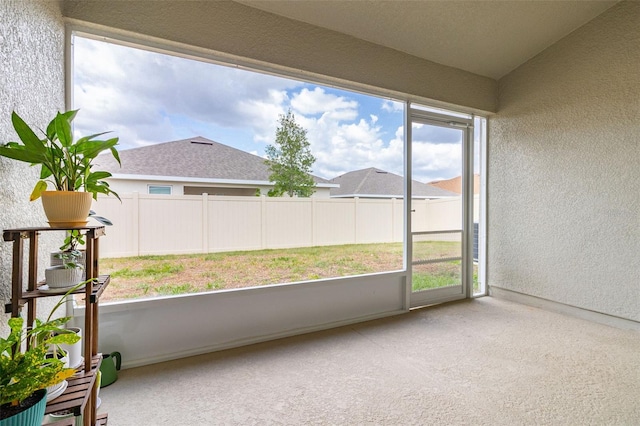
(373, 182)
(196, 157)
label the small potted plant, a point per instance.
(68, 274)
(73, 242)
(65, 164)
(26, 374)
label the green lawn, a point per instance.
(148, 276)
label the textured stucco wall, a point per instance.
(564, 167)
(246, 32)
(32, 83)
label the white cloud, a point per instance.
(436, 161)
(262, 114)
(317, 101)
(392, 106)
(149, 94)
(147, 98)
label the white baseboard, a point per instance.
(525, 299)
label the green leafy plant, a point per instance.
(70, 259)
(75, 237)
(22, 372)
(65, 163)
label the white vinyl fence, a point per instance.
(170, 224)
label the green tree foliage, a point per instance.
(290, 160)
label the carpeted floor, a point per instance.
(480, 362)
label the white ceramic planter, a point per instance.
(82, 260)
(75, 350)
(54, 391)
(61, 277)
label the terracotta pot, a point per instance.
(66, 208)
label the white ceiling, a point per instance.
(490, 38)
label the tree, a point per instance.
(290, 160)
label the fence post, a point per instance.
(313, 222)
(205, 222)
(393, 220)
(356, 202)
(135, 220)
(263, 222)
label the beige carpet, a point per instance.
(480, 362)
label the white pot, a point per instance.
(82, 260)
(75, 350)
(61, 277)
(53, 389)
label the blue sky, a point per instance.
(146, 97)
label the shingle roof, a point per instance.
(376, 183)
(196, 157)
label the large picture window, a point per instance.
(212, 129)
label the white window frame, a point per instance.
(166, 47)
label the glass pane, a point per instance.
(437, 275)
(436, 246)
(428, 271)
(479, 210)
(436, 205)
(436, 200)
(159, 190)
(239, 236)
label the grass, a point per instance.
(148, 276)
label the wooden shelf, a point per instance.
(79, 397)
(96, 292)
(102, 419)
(14, 234)
(77, 394)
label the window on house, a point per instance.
(159, 189)
(206, 124)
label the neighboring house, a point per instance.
(455, 184)
(192, 167)
(376, 183)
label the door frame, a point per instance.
(463, 122)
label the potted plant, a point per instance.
(74, 239)
(26, 374)
(65, 164)
(67, 274)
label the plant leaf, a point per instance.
(30, 140)
(63, 130)
(51, 128)
(91, 149)
(37, 190)
(102, 220)
(18, 152)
